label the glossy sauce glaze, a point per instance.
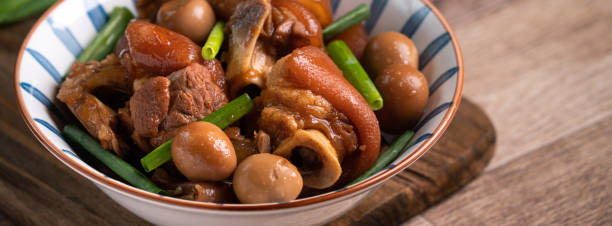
(295, 26)
(405, 91)
(289, 109)
(321, 9)
(156, 50)
(202, 151)
(312, 69)
(389, 48)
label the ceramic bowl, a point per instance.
(63, 31)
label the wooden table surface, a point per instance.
(539, 68)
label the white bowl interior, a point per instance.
(61, 37)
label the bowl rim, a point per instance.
(353, 189)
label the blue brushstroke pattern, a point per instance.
(442, 79)
(334, 5)
(414, 22)
(37, 94)
(432, 114)
(42, 60)
(422, 138)
(65, 35)
(376, 9)
(135, 7)
(96, 14)
(417, 141)
(432, 49)
(71, 153)
(49, 127)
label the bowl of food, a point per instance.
(259, 112)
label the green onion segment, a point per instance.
(222, 118)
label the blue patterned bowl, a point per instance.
(63, 31)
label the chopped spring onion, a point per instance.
(116, 164)
(222, 118)
(340, 53)
(105, 41)
(398, 147)
(214, 41)
(353, 17)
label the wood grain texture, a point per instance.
(460, 155)
(418, 221)
(539, 68)
(567, 182)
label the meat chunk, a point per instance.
(193, 95)
(248, 59)
(99, 119)
(149, 106)
(295, 27)
(246, 147)
(170, 179)
(147, 49)
(163, 104)
(310, 68)
(218, 192)
(261, 31)
(159, 139)
(321, 9)
(215, 68)
(287, 110)
(279, 122)
(263, 142)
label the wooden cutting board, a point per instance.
(459, 157)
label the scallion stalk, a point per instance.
(214, 41)
(116, 164)
(340, 53)
(105, 41)
(222, 118)
(360, 13)
(398, 147)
